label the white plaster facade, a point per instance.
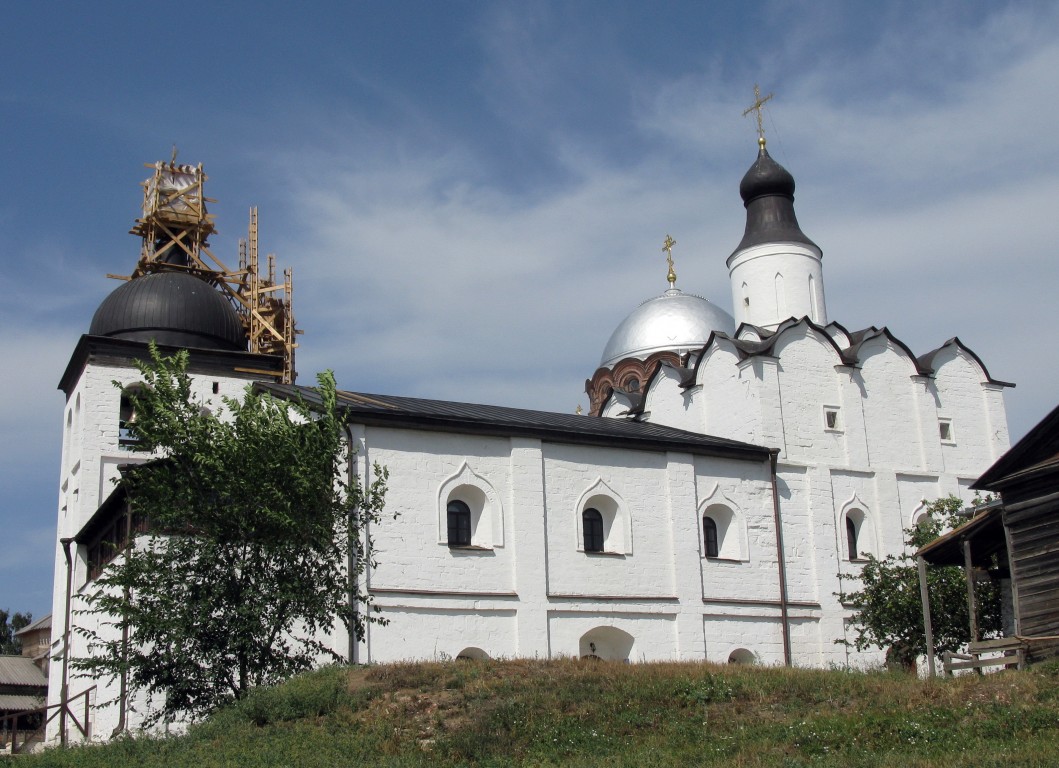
(774, 281)
(852, 433)
(536, 592)
(91, 455)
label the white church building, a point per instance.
(729, 469)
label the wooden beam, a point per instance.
(968, 570)
(1015, 608)
(977, 664)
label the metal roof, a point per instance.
(767, 190)
(471, 418)
(44, 622)
(674, 320)
(173, 308)
(16, 703)
(19, 671)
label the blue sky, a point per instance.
(473, 195)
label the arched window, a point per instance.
(851, 538)
(459, 515)
(592, 522)
(709, 536)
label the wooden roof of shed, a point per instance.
(986, 532)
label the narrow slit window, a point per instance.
(851, 539)
(945, 430)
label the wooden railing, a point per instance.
(1012, 652)
(9, 723)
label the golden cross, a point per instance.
(667, 246)
(756, 107)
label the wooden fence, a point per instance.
(9, 723)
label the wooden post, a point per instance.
(969, 572)
(924, 597)
(1015, 608)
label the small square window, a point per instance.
(831, 418)
(945, 431)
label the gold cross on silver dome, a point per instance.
(667, 246)
(759, 102)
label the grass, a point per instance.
(575, 713)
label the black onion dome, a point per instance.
(767, 190)
(172, 309)
(766, 177)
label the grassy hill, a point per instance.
(579, 713)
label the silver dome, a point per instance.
(675, 321)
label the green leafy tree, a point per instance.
(244, 521)
(10, 623)
(889, 612)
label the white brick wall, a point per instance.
(529, 589)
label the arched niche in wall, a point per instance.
(857, 530)
(742, 656)
(722, 517)
(617, 526)
(920, 515)
(472, 654)
(486, 508)
(606, 644)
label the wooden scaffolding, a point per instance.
(175, 229)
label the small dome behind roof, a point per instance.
(173, 309)
(673, 321)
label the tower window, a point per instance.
(945, 431)
(592, 522)
(459, 515)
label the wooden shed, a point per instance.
(1022, 531)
